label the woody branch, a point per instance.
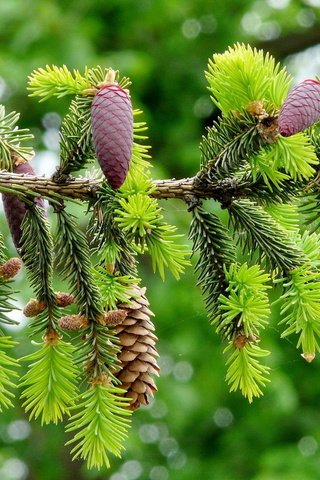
(84, 188)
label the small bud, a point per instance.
(113, 317)
(73, 322)
(10, 268)
(241, 340)
(64, 299)
(33, 308)
(256, 108)
(308, 356)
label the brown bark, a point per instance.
(84, 188)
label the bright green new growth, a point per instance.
(57, 81)
(11, 138)
(7, 373)
(242, 75)
(246, 305)
(245, 372)
(49, 385)
(101, 422)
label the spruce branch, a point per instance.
(245, 372)
(75, 138)
(115, 252)
(210, 238)
(244, 307)
(7, 373)
(101, 422)
(242, 75)
(11, 138)
(49, 384)
(73, 256)
(56, 81)
(37, 253)
(88, 188)
(230, 143)
(258, 231)
(300, 308)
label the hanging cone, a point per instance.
(138, 353)
(15, 208)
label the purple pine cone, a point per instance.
(301, 108)
(14, 207)
(112, 131)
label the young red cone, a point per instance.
(14, 207)
(112, 131)
(301, 108)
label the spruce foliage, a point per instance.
(275, 199)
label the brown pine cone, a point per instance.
(137, 350)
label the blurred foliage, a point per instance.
(194, 428)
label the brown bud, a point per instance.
(241, 340)
(10, 268)
(256, 108)
(34, 307)
(64, 299)
(113, 317)
(308, 356)
(73, 322)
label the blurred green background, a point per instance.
(194, 428)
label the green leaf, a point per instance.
(245, 372)
(49, 384)
(300, 308)
(37, 253)
(310, 244)
(138, 214)
(229, 144)
(101, 421)
(7, 374)
(11, 138)
(114, 289)
(56, 81)
(244, 308)
(76, 147)
(113, 247)
(242, 75)
(258, 231)
(73, 255)
(285, 215)
(295, 155)
(210, 238)
(165, 252)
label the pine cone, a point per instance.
(112, 131)
(137, 350)
(301, 108)
(14, 207)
